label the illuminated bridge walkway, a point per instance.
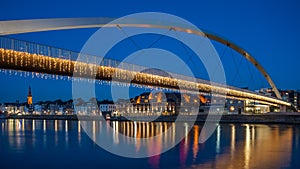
(25, 56)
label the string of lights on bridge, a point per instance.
(23, 57)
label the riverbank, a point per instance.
(55, 117)
(286, 118)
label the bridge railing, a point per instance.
(34, 48)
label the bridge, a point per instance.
(25, 56)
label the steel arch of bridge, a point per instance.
(38, 25)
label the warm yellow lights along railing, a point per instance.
(16, 60)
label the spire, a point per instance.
(29, 91)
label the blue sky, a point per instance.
(269, 30)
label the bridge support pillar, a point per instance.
(282, 108)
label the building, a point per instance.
(292, 96)
(54, 108)
(83, 108)
(106, 106)
(256, 108)
(266, 91)
(14, 108)
(160, 103)
(235, 106)
(38, 109)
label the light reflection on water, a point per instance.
(231, 146)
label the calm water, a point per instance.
(64, 144)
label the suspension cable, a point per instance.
(236, 66)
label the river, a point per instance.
(65, 144)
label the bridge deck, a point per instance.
(23, 61)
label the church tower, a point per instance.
(29, 101)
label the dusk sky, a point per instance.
(269, 30)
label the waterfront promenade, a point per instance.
(280, 118)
